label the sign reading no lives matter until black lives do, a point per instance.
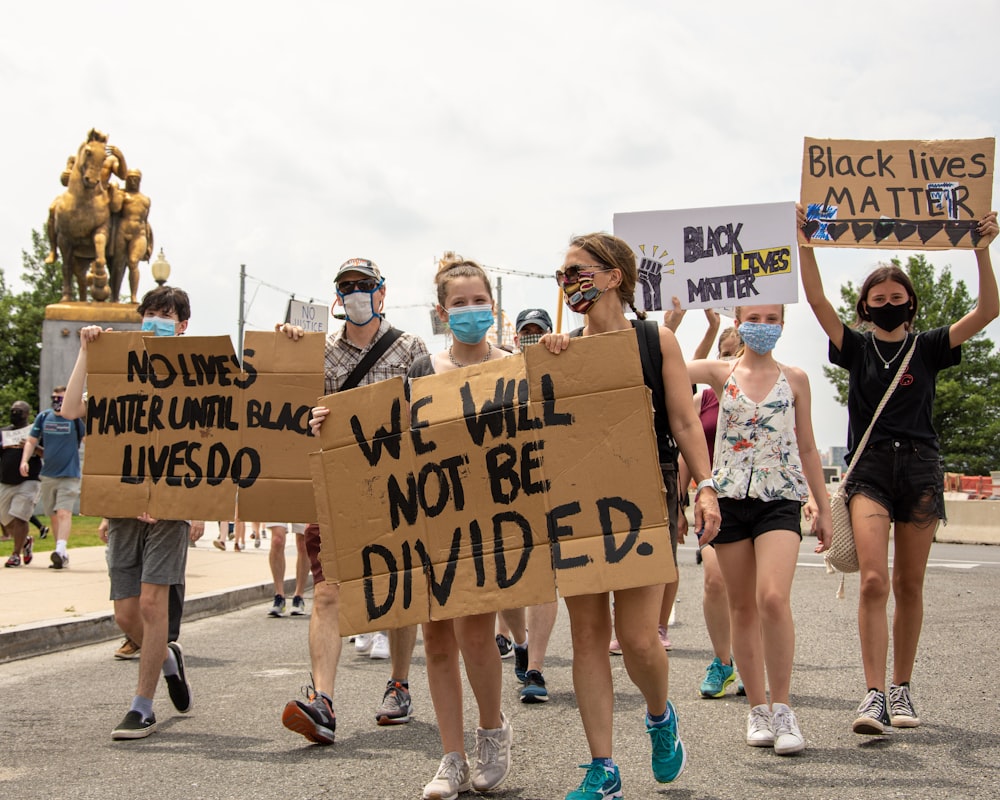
(897, 194)
(503, 481)
(176, 429)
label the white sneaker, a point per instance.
(759, 733)
(492, 756)
(787, 736)
(380, 646)
(363, 643)
(452, 777)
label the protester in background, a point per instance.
(146, 556)
(598, 278)
(60, 476)
(276, 560)
(366, 350)
(18, 490)
(530, 326)
(898, 479)
(765, 454)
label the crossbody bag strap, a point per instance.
(882, 403)
(373, 355)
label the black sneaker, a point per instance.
(43, 531)
(505, 646)
(520, 662)
(134, 726)
(873, 715)
(534, 690)
(177, 685)
(58, 560)
(314, 719)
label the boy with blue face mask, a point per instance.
(146, 557)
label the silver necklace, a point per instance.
(460, 365)
(885, 364)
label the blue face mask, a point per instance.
(160, 326)
(470, 323)
(761, 337)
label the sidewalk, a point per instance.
(46, 610)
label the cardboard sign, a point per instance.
(495, 485)
(177, 430)
(896, 194)
(713, 257)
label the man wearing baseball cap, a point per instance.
(531, 325)
(367, 349)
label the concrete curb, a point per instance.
(39, 638)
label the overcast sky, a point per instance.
(291, 137)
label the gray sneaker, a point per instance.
(396, 707)
(759, 730)
(492, 756)
(452, 777)
(787, 736)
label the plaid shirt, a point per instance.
(342, 356)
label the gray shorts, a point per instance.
(141, 553)
(18, 501)
(60, 494)
(294, 527)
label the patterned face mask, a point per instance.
(582, 293)
(524, 339)
(761, 337)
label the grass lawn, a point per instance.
(83, 534)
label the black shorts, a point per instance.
(748, 518)
(904, 476)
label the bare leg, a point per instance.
(444, 679)
(645, 659)
(482, 665)
(590, 625)
(401, 644)
(715, 605)
(777, 552)
(912, 545)
(18, 528)
(153, 607)
(324, 636)
(62, 524)
(541, 621)
(871, 537)
(738, 562)
(514, 619)
(276, 557)
(301, 565)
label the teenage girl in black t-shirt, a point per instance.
(898, 478)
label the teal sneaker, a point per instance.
(669, 756)
(599, 783)
(718, 676)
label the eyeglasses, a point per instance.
(363, 285)
(573, 273)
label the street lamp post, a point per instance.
(160, 268)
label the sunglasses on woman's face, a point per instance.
(572, 274)
(363, 285)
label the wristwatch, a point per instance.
(708, 483)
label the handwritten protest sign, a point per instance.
(496, 485)
(311, 317)
(896, 194)
(176, 429)
(713, 257)
(15, 437)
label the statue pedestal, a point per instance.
(61, 338)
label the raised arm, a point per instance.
(73, 406)
(988, 303)
(704, 347)
(812, 283)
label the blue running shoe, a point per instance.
(669, 756)
(534, 690)
(599, 783)
(718, 676)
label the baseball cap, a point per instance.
(533, 316)
(362, 265)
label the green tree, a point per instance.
(21, 317)
(967, 406)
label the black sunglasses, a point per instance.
(363, 285)
(572, 273)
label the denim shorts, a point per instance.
(904, 476)
(749, 517)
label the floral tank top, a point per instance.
(756, 453)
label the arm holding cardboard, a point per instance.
(690, 436)
(987, 306)
(74, 406)
(812, 283)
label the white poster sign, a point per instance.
(311, 317)
(714, 257)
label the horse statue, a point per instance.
(79, 219)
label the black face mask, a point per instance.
(889, 317)
(18, 418)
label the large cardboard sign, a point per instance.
(713, 257)
(896, 194)
(176, 429)
(495, 485)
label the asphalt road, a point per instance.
(57, 711)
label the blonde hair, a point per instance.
(450, 266)
(613, 253)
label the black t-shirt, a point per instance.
(10, 464)
(907, 415)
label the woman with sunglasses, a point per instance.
(598, 279)
(465, 303)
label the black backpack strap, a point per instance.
(373, 355)
(648, 335)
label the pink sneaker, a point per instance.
(664, 639)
